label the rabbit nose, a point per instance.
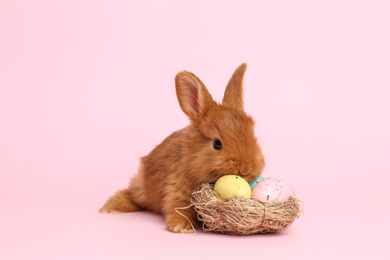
(244, 173)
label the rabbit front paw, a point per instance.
(179, 224)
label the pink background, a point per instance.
(86, 88)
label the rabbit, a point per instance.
(218, 141)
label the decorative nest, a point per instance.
(243, 216)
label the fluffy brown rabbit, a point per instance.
(219, 141)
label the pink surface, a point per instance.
(86, 88)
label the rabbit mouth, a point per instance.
(245, 176)
(249, 177)
(215, 175)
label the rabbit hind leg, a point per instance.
(127, 200)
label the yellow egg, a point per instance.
(232, 184)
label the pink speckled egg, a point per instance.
(271, 189)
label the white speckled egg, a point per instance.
(271, 189)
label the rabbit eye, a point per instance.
(217, 144)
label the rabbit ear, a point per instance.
(234, 91)
(193, 96)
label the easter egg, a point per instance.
(271, 189)
(232, 184)
(253, 183)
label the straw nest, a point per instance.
(242, 216)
